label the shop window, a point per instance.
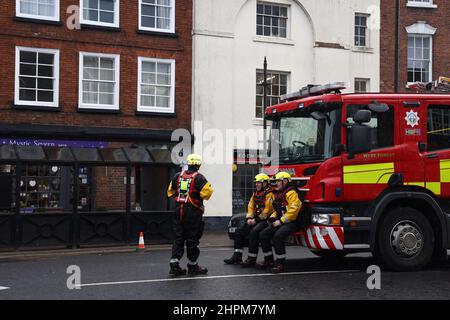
(243, 185)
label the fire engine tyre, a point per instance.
(330, 254)
(405, 240)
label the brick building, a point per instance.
(424, 42)
(102, 74)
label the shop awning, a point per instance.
(142, 155)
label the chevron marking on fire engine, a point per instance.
(368, 173)
(445, 170)
(434, 187)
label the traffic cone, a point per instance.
(141, 246)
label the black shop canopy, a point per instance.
(142, 155)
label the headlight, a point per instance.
(326, 219)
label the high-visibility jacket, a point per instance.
(190, 187)
(260, 204)
(287, 205)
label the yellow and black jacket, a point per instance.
(190, 187)
(260, 204)
(287, 206)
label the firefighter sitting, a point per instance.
(188, 188)
(259, 209)
(282, 222)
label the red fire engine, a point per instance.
(373, 171)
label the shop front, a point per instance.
(69, 194)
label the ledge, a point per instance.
(38, 21)
(155, 114)
(421, 5)
(156, 33)
(274, 40)
(97, 111)
(97, 27)
(36, 108)
(363, 49)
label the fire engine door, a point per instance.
(437, 153)
(366, 175)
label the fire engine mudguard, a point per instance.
(410, 196)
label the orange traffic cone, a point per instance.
(141, 246)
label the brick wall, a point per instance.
(127, 42)
(437, 18)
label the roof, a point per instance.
(329, 98)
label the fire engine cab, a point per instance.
(373, 171)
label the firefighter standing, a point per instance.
(258, 210)
(283, 221)
(188, 188)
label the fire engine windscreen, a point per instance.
(308, 136)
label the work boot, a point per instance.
(176, 270)
(236, 258)
(268, 263)
(250, 262)
(196, 270)
(278, 267)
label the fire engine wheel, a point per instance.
(330, 254)
(405, 240)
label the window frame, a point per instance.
(172, 20)
(430, 107)
(430, 68)
(38, 17)
(86, 106)
(56, 74)
(147, 109)
(278, 72)
(367, 35)
(115, 24)
(363, 105)
(288, 20)
(366, 80)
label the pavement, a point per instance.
(210, 239)
(144, 276)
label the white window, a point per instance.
(420, 52)
(99, 81)
(157, 15)
(38, 9)
(277, 85)
(421, 3)
(156, 85)
(100, 12)
(362, 85)
(419, 58)
(361, 30)
(37, 77)
(271, 20)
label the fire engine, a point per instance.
(373, 170)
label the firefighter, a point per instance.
(258, 210)
(282, 222)
(188, 188)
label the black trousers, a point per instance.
(188, 228)
(252, 232)
(278, 235)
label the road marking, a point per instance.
(217, 277)
(4, 288)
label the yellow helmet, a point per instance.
(194, 160)
(283, 175)
(262, 177)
